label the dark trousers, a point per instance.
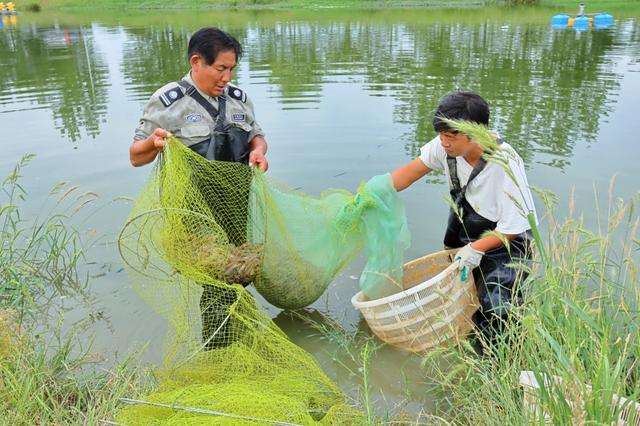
(496, 281)
(498, 285)
(225, 188)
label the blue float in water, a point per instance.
(581, 23)
(560, 21)
(602, 21)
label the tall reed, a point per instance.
(47, 377)
(38, 256)
(578, 330)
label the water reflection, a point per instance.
(548, 89)
(8, 21)
(58, 69)
(153, 57)
(293, 57)
(544, 86)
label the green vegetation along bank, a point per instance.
(49, 5)
(46, 376)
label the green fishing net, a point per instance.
(199, 233)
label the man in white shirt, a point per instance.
(487, 199)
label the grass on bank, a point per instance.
(592, 6)
(44, 5)
(49, 5)
(578, 330)
(38, 258)
(53, 379)
(580, 323)
(49, 382)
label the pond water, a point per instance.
(342, 96)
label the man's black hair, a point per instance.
(466, 106)
(209, 42)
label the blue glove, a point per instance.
(468, 258)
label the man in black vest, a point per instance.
(215, 119)
(204, 110)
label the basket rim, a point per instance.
(439, 320)
(358, 303)
(414, 304)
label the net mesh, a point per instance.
(200, 231)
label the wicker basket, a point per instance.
(435, 307)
